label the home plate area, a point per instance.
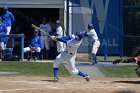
(20, 84)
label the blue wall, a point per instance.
(108, 29)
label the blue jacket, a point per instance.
(7, 18)
(3, 31)
(35, 41)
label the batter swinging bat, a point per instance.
(35, 27)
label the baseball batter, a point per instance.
(3, 31)
(59, 34)
(94, 42)
(69, 54)
(35, 44)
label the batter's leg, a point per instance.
(60, 58)
(72, 67)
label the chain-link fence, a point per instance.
(118, 29)
(131, 25)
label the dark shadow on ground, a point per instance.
(124, 91)
(95, 65)
(48, 80)
(129, 82)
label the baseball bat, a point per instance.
(35, 27)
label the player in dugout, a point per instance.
(3, 31)
(8, 19)
(35, 44)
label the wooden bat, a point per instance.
(35, 27)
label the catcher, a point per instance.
(136, 58)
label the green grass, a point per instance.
(32, 68)
(119, 71)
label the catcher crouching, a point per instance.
(129, 60)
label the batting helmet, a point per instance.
(80, 35)
(90, 25)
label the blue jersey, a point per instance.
(3, 31)
(7, 18)
(35, 41)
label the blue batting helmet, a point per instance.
(80, 35)
(90, 25)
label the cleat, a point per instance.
(55, 79)
(87, 78)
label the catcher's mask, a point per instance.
(138, 71)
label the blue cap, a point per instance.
(90, 25)
(80, 35)
(44, 19)
(58, 21)
(35, 30)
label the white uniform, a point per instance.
(59, 32)
(93, 40)
(69, 55)
(45, 39)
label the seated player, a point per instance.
(35, 44)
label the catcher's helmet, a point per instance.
(138, 71)
(136, 51)
(80, 35)
(90, 25)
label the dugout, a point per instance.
(32, 11)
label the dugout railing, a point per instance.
(21, 37)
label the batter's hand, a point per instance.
(54, 38)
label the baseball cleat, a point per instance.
(87, 78)
(55, 79)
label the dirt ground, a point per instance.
(22, 84)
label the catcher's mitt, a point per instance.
(118, 61)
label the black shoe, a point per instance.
(87, 78)
(55, 79)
